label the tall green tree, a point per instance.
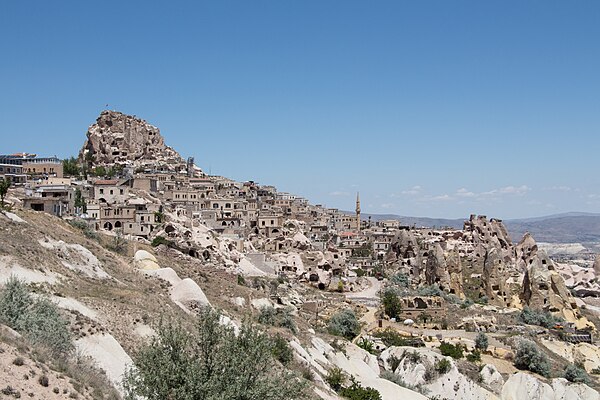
(71, 167)
(79, 201)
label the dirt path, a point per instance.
(369, 296)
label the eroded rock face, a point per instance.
(543, 287)
(436, 272)
(117, 138)
(455, 271)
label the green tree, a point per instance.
(209, 363)
(391, 303)
(71, 167)
(481, 342)
(79, 201)
(4, 185)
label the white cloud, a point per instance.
(415, 190)
(560, 189)
(462, 192)
(508, 190)
(339, 193)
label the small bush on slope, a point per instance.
(14, 301)
(530, 357)
(345, 324)
(39, 321)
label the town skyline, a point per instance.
(426, 111)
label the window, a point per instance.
(121, 191)
(101, 191)
(111, 191)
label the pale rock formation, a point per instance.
(188, 295)
(524, 386)
(543, 287)
(456, 273)
(75, 257)
(491, 378)
(108, 356)
(495, 277)
(145, 261)
(117, 138)
(436, 271)
(452, 385)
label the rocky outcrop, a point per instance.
(436, 271)
(121, 139)
(489, 233)
(543, 287)
(495, 277)
(456, 273)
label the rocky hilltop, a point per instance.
(121, 139)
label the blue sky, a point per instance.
(429, 108)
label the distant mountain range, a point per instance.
(571, 227)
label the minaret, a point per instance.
(357, 212)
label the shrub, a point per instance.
(211, 362)
(413, 356)
(267, 315)
(400, 279)
(345, 324)
(240, 280)
(14, 301)
(454, 351)
(281, 350)
(394, 362)
(19, 361)
(357, 392)
(443, 366)
(282, 317)
(466, 303)
(430, 290)
(539, 317)
(529, 357)
(576, 374)
(286, 319)
(360, 272)
(390, 337)
(43, 380)
(157, 241)
(335, 378)
(43, 325)
(475, 356)
(365, 344)
(481, 342)
(391, 303)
